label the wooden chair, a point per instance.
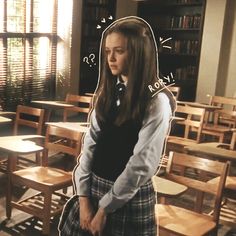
(174, 220)
(83, 105)
(223, 120)
(175, 90)
(228, 217)
(28, 120)
(192, 125)
(49, 201)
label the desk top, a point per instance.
(53, 104)
(200, 105)
(167, 187)
(78, 126)
(177, 118)
(18, 145)
(211, 152)
(4, 119)
(21, 137)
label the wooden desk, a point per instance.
(78, 126)
(13, 146)
(7, 113)
(207, 107)
(167, 188)
(204, 150)
(51, 105)
(4, 119)
(176, 118)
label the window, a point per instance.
(35, 42)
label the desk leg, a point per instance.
(162, 200)
(47, 115)
(11, 166)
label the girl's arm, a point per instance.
(82, 171)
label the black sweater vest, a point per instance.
(114, 147)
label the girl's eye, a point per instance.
(120, 51)
(107, 52)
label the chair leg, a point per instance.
(8, 196)
(47, 211)
(11, 166)
(221, 138)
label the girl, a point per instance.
(125, 142)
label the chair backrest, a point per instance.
(28, 117)
(82, 104)
(193, 121)
(175, 90)
(202, 170)
(233, 141)
(227, 115)
(62, 140)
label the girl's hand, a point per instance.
(86, 213)
(98, 223)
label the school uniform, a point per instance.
(117, 164)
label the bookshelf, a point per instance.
(177, 26)
(96, 16)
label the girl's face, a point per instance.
(117, 54)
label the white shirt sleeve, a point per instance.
(82, 172)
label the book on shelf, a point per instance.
(186, 47)
(185, 73)
(185, 21)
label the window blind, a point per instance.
(29, 45)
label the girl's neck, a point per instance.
(123, 78)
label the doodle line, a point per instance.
(162, 89)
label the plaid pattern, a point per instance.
(136, 218)
(69, 224)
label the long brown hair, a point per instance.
(142, 71)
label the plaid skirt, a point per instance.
(135, 218)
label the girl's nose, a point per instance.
(112, 57)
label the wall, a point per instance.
(210, 50)
(217, 70)
(230, 40)
(75, 47)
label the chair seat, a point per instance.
(45, 176)
(183, 221)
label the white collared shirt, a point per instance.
(141, 166)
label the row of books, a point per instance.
(185, 21)
(185, 73)
(181, 46)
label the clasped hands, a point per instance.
(89, 220)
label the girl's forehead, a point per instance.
(115, 39)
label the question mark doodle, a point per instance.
(92, 57)
(90, 60)
(85, 59)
